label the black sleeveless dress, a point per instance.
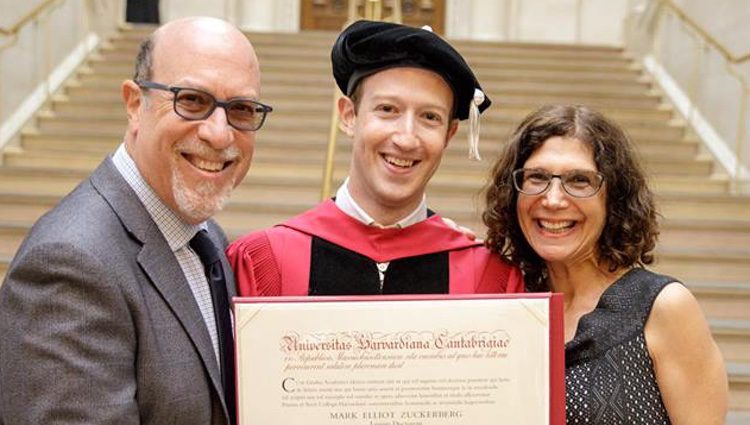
(609, 374)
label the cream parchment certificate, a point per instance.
(394, 362)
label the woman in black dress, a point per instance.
(569, 204)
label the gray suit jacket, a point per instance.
(97, 322)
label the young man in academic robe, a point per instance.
(406, 89)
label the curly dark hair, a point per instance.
(631, 229)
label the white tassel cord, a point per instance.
(474, 125)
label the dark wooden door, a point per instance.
(330, 15)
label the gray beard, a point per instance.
(202, 201)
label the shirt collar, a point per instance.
(175, 231)
(348, 205)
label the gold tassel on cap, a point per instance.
(474, 125)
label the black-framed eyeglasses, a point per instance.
(194, 105)
(576, 183)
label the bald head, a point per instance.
(191, 36)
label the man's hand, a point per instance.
(469, 233)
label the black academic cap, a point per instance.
(366, 47)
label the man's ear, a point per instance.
(452, 128)
(347, 115)
(132, 96)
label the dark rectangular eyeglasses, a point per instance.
(576, 183)
(194, 105)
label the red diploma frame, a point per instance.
(401, 360)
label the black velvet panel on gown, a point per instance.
(338, 271)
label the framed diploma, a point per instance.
(400, 360)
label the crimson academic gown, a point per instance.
(326, 252)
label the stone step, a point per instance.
(518, 105)
(292, 48)
(497, 85)
(58, 181)
(492, 80)
(322, 98)
(733, 339)
(297, 141)
(597, 102)
(132, 38)
(477, 58)
(39, 181)
(325, 87)
(462, 187)
(627, 117)
(556, 70)
(738, 417)
(559, 51)
(651, 121)
(317, 37)
(268, 80)
(313, 133)
(719, 300)
(692, 264)
(4, 262)
(712, 234)
(659, 165)
(446, 194)
(492, 141)
(273, 147)
(634, 88)
(514, 110)
(488, 62)
(489, 67)
(689, 185)
(701, 206)
(11, 236)
(127, 49)
(43, 180)
(313, 163)
(140, 31)
(24, 209)
(69, 135)
(323, 41)
(311, 116)
(739, 386)
(455, 162)
(322, 94)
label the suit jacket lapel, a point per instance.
(165, 273)
(158, 262)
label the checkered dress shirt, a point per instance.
(177, 234)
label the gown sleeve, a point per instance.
(255, 267)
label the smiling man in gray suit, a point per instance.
(108, 314)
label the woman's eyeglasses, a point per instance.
(576, 183)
